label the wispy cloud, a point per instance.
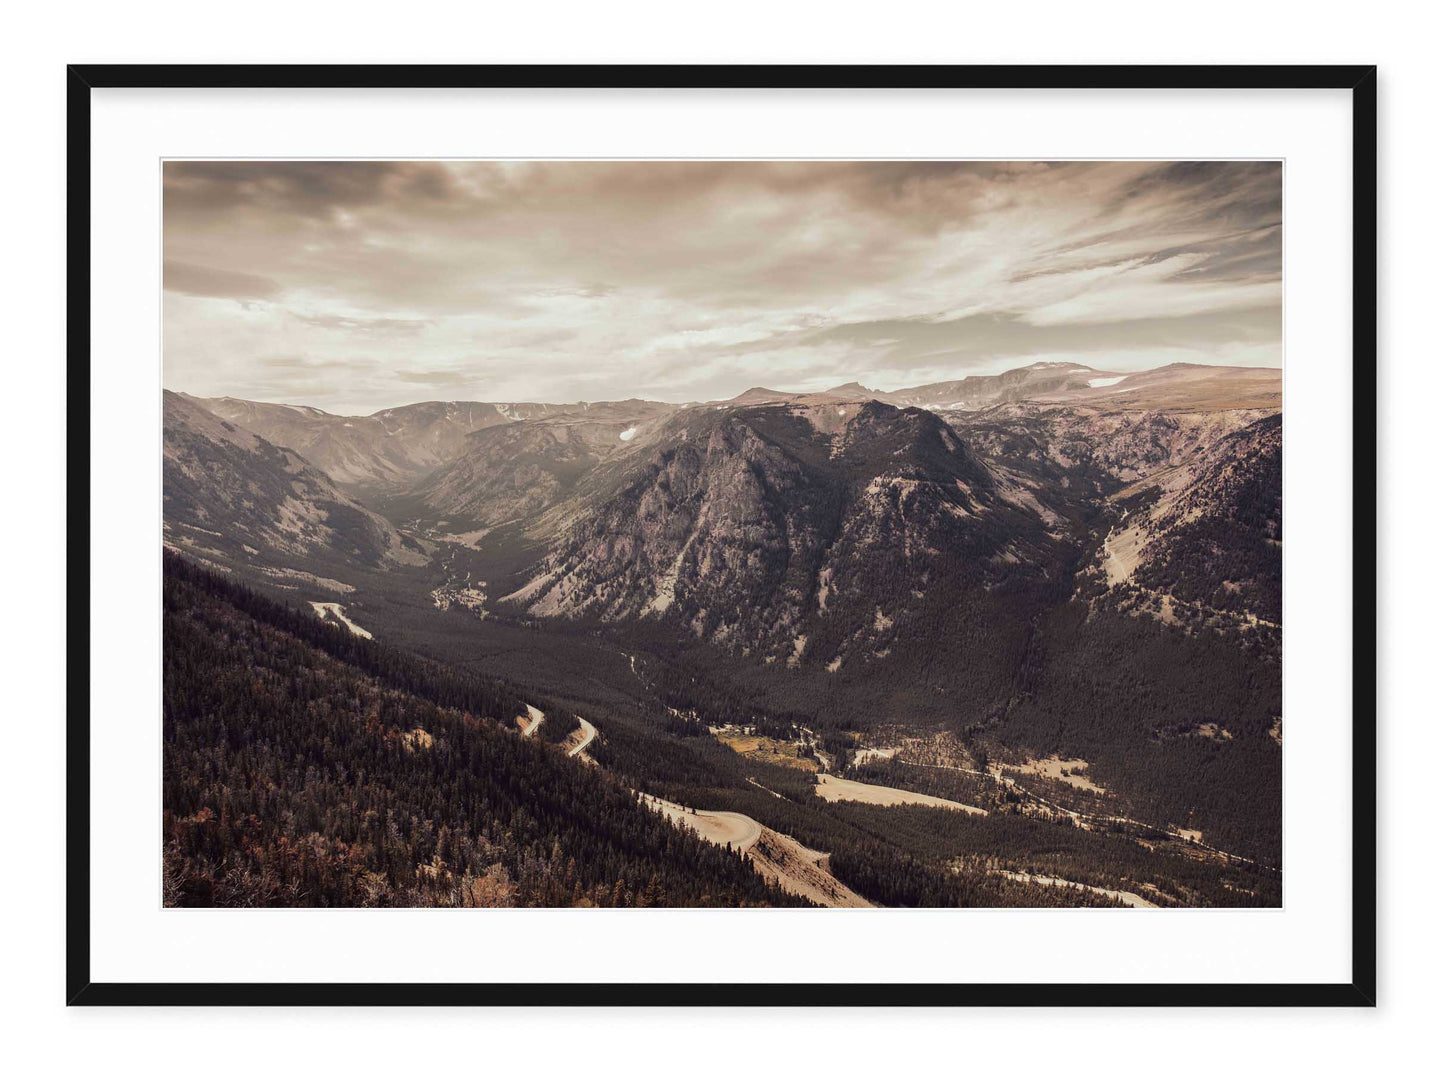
(435, 378)
(199, 281)
(383, 327)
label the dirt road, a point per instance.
(721, 828)
(1129, 898)
(589, 734)
(537, 718)
(779, 859)
(324, 607)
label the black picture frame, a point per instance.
(1360, 80)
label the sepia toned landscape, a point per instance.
(846, 534)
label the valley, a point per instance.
(1002, 641)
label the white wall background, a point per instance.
(1178, 1044)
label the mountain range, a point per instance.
(1056, 563)
(779, 526)
(395, 447)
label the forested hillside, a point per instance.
(305, 766)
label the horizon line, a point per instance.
(714, 401)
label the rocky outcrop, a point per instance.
(754, 527)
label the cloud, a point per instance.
(568, 280)
(198, 281)
(306, 364)
(314, 190)
(386, 327)
(435, 378)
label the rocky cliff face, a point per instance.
(751, 527)
(714, 512)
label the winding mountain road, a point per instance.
(537, 718)
(721, 828)
(589, 734)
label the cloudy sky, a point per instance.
(355, 286)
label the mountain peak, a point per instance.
(755, 396)
(854, 388)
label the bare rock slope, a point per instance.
(751, 526)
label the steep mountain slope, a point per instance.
(511, 472)
(1188, 501)
(230, 495)
(506, 473)
(1200, 543)
(751, 527)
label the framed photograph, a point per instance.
(721, 536)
